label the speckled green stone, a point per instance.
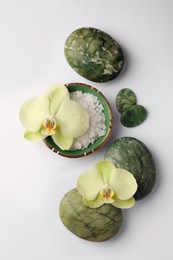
(133, 116)
(124, 99)
(90, 224)
(94, 54)
(132, 155)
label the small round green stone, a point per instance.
(134, 115)
(124, 99)
(96, 225)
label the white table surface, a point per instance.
(33, 179)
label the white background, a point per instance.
(32, 178)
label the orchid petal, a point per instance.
(56, 94)
(72, 118)
(62, 141)
(36, 136)
(106, 170)
(94, 203)
(89, 184)
(124, 185)
(124, 204)
(33, 112)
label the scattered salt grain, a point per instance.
(97, 126)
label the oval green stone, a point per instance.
(94, 54)
(97, 224)
(132, 155)
(124, 99)
(133, 116)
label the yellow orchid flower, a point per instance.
(107, 184)
(54, 114)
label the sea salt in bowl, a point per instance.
(100, 127)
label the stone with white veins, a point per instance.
(94, 54)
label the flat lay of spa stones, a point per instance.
(94, 54)
(93, 210)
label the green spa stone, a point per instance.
(124, 99)
(96, 225)
(133, 116)
(94, 54)
(132, 155)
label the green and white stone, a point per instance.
(132, 114)
(124, 99)
(96, 225)
(132, 155)
(94, 54)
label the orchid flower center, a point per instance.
(107, 194)
(49, 126)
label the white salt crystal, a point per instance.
(97, 126)
(101, 133)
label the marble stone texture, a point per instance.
(94, 54)
(132, 155)
(124, 99)
(96, 225)
(132, 114)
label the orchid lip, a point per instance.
(49, 126)
(107, 194)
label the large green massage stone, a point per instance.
(94, 54)
(96, 225)
(132, 155)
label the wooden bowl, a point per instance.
(101, 140)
